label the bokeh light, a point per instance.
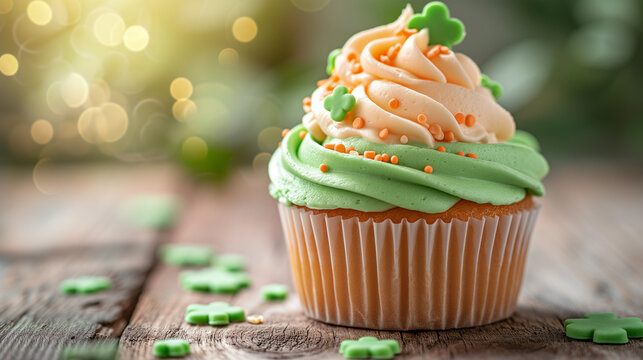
(103, 124)
(268, 138)
(6, 6)
(8, 65)
(181, 88)
(39, 12)
(244, 29)
(136, 38)
(42, 132)
(195, 148)
(109, 29)
(74, 90)
(44, 176)
(184, 109)
(228, 56)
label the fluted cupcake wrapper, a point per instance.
(410, 275)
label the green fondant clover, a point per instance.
(604, 328)
(215, 280)
(443, 30)
(217, 313)
(369, 347)
(493, 86)
(330, 65)
(171, 348)
(230, 262)
(95, 350)
(85, 285)
(339, 103)
(186, 255)
(274, 292)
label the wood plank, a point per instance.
(585, 257)
(76, 232)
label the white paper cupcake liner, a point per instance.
(407, 276)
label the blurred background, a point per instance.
(210, 84)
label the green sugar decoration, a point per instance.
(186, 255)
(230, 262)
(339, 103)
(443, 30)
(330, 65)
(85, 285)
(369, 347)
(604, 328)
(94, 350)
(171, 348)
(218, 313)
(274, 292)
(493, 86)
(215, 280)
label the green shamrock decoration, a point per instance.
(95, 350)
(230, 262)
(604, 328)
(85, 285)
(443, 30)
(330, 65)
(186, 255)
(274, 292)
(494, 87)
(171, 348)
(215, 280)
(217, 313)
(339, 103)
(369, 347)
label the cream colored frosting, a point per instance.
(438, 87)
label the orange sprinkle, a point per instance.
(394, 159)
(385, 158)
(393, 50)
(369, 154)
(461, 153)
(284, 132)
(349, 149)
(330, 146)
(323, 167)
(358, 123)
(421, 119)
(449, 136)
(441, 148)
(385, 59)
(383, 133)
(340, 148)
(394, 103)
(472, 155)
(302, 134)
(352, 56)
(306, 101)
(428, 169)
(433, 52)
(459, 117)
(444, 50)
(378, 157)
(435, 129)
(407, 32)
(470, 120)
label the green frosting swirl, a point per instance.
(502, 174)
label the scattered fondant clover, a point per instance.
(369, 347)
(493, 86)
(171, 348)
(230, 262)
(95, 350)
(215, 280)
(274, 292)
(154, 211)
(217, 313)
(330, 65)
(604, 328)
(339, 103)
(443, 29)
(85, 285)
(186, 255)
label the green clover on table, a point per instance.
(339, 103)
(604, 328)
(85, 285)
(215, 280)
(369, 347)
(230, 262)
(186, 255)
(216, 313)
(274, 292)
(443, 29)
(330, 65)
(493, 86)
(95, 350)
(171, 348)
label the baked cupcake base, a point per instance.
(407, 270)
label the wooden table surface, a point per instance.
(586, 256)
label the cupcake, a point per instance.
(406, 195)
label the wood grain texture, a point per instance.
(75, 232)
(585, 257)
